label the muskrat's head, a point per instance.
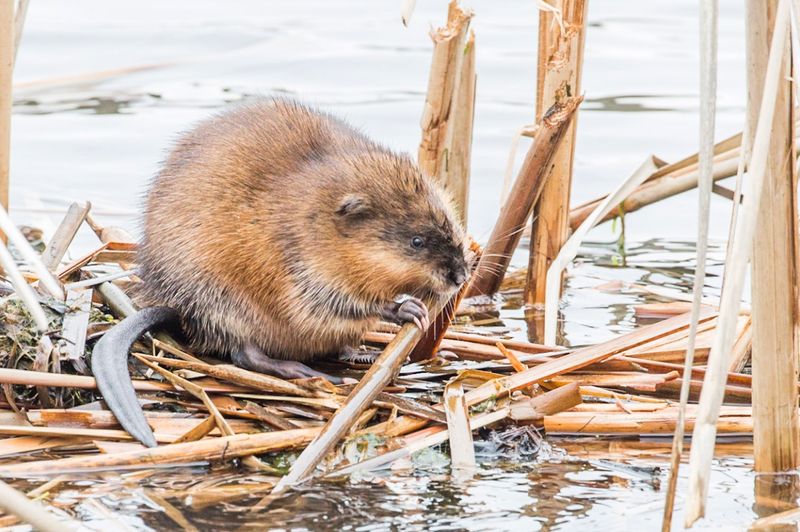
(400, 232)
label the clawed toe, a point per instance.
(352, 355)
(411, 309)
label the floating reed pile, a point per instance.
(206, 411)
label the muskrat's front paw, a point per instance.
(408, 309)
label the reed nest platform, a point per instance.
(204, 411)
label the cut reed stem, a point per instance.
(560, 62)
(525, 193)
(776, 436)
(447, 116)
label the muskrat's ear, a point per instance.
(352, 206)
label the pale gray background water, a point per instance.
(102, 138)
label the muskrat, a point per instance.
(276, 234)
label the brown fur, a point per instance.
(282, 226)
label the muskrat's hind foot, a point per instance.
(405, 310)
(254, 359)
(354, 355)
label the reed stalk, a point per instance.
(577, 359)
(40, 378)
(462, 450)
(64, 235)
(525, 193)
(560, 61)
(459, 141)
(222, 448)
(447, 116)
(662, 422)
(22, 288)
(705, 429)
(73, 329)
(570, 248)
(19, 24)
(33, 513)
(653, 191)
(708, 106)
(775, 295)
(371, 384)
(6, 71)
(46, 279)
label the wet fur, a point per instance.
(282, 226)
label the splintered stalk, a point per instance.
(520, 202)
(447, 115)
(559, 67)
(65, 234)
(383, 370)
(462, 451)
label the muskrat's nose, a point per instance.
(458, 275)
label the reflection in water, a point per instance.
(556, 490)
(100, 106)
(629, 103)
(775, 493)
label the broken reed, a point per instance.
(668, 181)
(447, 116)
(559, 65)
(382, 371)
(496, 388)
(525, 193)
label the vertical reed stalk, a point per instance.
(444, 133)
(559, 76)
(776, 428)
(705, 429)
(459, 137)
(708, 106)
(6, 69)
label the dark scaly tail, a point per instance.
(110, 368)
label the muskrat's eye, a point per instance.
(417, 242)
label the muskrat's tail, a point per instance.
(110, 368)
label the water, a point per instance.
(102, 88)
